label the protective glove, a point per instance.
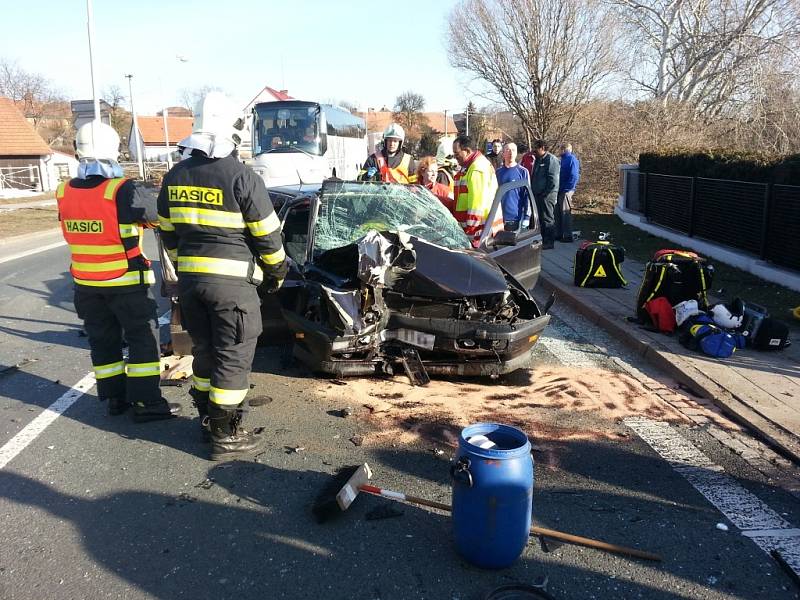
(272, 285)
(372, 171)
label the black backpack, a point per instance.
(677, 275)
(771, 335)
(597, 265)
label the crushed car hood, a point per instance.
(419, 268)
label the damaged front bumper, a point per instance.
(446, 346)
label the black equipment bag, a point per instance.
(771, 335)
(597, 265)
(677, 275)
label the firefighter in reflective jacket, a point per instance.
(102, 218)
(219, 227)
(475, 187)
(391, 164)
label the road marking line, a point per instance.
(744, 509)
(36, 250)
(33, 429)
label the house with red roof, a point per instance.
(153, 139)
(26, 161)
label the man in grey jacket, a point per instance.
(545, 190)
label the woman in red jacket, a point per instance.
(427, 170)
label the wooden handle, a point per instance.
(590, 543)
(538, 531)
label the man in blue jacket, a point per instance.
(568, 181)
(515, 204)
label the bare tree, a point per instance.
(120, 118)
(189, 97)
(541, 58)
(408, 109)
(31, 92)
(698, 54)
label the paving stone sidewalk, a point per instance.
(760, 390)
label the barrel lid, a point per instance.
(517, 591)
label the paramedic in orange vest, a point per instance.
(103, 217)
(391, 164)
(475, 187)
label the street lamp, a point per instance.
(136, 137)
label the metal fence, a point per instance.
(152, 170)
(758, 218)
(21, 178)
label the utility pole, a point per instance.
(139, 158)
(467, 129)
(445, 122)
(90, 32)
(164, 113)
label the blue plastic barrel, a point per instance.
(492, 494)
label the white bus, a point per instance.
(305, 142)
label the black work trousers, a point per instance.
(108, 317)
(546, 204)
(224, 322)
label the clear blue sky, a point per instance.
(363, 52)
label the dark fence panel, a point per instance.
(668, 200)
(730, 212)
(782, 243)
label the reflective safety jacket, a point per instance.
(217, 222)
(395, 169)
(475, 187)
(106, 246)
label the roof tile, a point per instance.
(17, 136)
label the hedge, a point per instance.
(739, 166)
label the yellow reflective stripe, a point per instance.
(202, 216)
(101, 266)
(226, 397)
(129, 278)
(591, 269)
(173, 254)
(264, 226)
(275, 258)
(96, 249)
(143, 369)
(60, 189)
(111, 187)
(164, 223)
(218, 266)
(128, 230)
(201, 384)
(109, 370)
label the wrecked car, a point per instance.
(382, 278)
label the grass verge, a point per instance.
(729, 282)
(27, 220)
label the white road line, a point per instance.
(32, 430)
(36, 250)
(744, 509)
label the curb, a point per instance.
(681, 370)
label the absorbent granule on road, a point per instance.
(404, 414)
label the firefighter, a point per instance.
(103, 217)
(391, 164)
(475, 187)
(218, 224)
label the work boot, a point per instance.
(157, 411)
(117, 406)
(228, 438)
(200, 401)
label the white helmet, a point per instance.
(684, 310)
(98, 141)
(728, 317)
(394, 131)
(216, 127)
(444, 150)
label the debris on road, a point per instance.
(259, 401)
(293, 449)
(384, 511)
(206, 484)
(722, 527)
(14, 368)
(357, 440)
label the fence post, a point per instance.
(692, 196)
(643, 198)
(765, 219)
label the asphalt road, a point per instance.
(99, 507)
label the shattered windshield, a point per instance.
(348, 211)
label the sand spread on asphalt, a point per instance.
(403, 414)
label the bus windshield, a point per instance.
(286, 129)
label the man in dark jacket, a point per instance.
(219, 227)
(568, 181)
(545, 190)
(391, 164)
